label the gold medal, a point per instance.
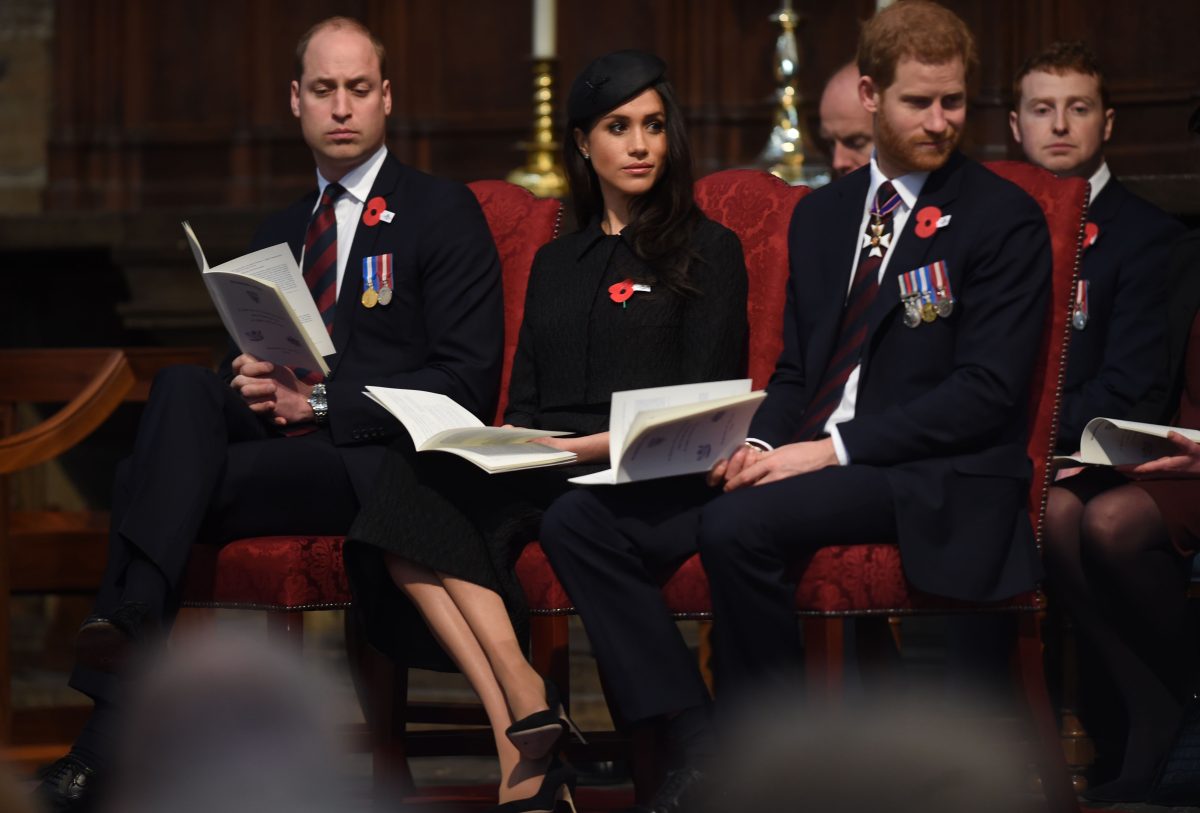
(369, 298)
(928, 312)
(385, 296)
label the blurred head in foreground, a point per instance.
(898, 756)
(229, 724)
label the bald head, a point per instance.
(845, 123)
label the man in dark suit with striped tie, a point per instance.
(896, 411)
(406, 277)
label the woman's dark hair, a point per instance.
(661, 220)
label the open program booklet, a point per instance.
(666, 431)
(266, 306)
(437, 423)
(1112, 442)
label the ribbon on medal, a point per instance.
(926, 295)
(1079, 316)
(370, 297)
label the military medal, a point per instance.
(926, 295)
(370, 297)
(941, 286)
(1079, 318)
(909, 297)
(875, 239)
(385, 279)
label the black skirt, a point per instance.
(437, 510)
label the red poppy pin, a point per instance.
(373, 211)
(927, 221)
(621, 291)
(1091, 233)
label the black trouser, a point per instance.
(206, 469)
(612, 547)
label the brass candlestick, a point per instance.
(784, 154)
(542, 173)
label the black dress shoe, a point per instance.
(67, 786)
(679, 793)
(542, 732)
(105, 643)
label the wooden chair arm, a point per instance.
(75, 421)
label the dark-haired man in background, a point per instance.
(257, 449)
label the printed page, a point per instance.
(424, 414)
(277, 266)
(260, 322)
(1113, 442)
(435, 421)
(664, 443)
(693, 426)
(627, 404)
(500, 459)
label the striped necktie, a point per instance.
(320, 255)
(852, 327)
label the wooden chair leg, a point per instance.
(1076, 743)
(382, 688)
(1060, 795)
(704, 654)
(550, 651)
(646, 766)
(286, 628)
(6, 709)
(824, 658)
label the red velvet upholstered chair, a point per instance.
(289, 575)
(866, 580)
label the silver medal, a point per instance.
(1079, 320)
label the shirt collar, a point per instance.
(908, 186)
(358, 181)
(1098, 181)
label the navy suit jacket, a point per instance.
(941, 407)
(1116, 361)
(444, 329)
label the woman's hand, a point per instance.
(1184, 463)
(587, 449)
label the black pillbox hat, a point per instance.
(610, 81)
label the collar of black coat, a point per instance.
(594, 234)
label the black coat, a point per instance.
(443, 331)
(941, 407)
(1116, 360)
(577, 346)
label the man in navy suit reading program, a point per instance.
(405, 276)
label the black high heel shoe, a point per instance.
(554, 795)
(542, 732)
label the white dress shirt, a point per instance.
(348, 208)
(909, 188)
(1098, 181)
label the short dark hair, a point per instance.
(1074, 56)
(917, 29)
(339, 22)
(661, 221)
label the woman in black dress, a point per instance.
(648, 292)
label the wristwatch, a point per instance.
(319, 404)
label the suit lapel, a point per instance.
(1103, 210)
(366, 238)
(912, 251)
